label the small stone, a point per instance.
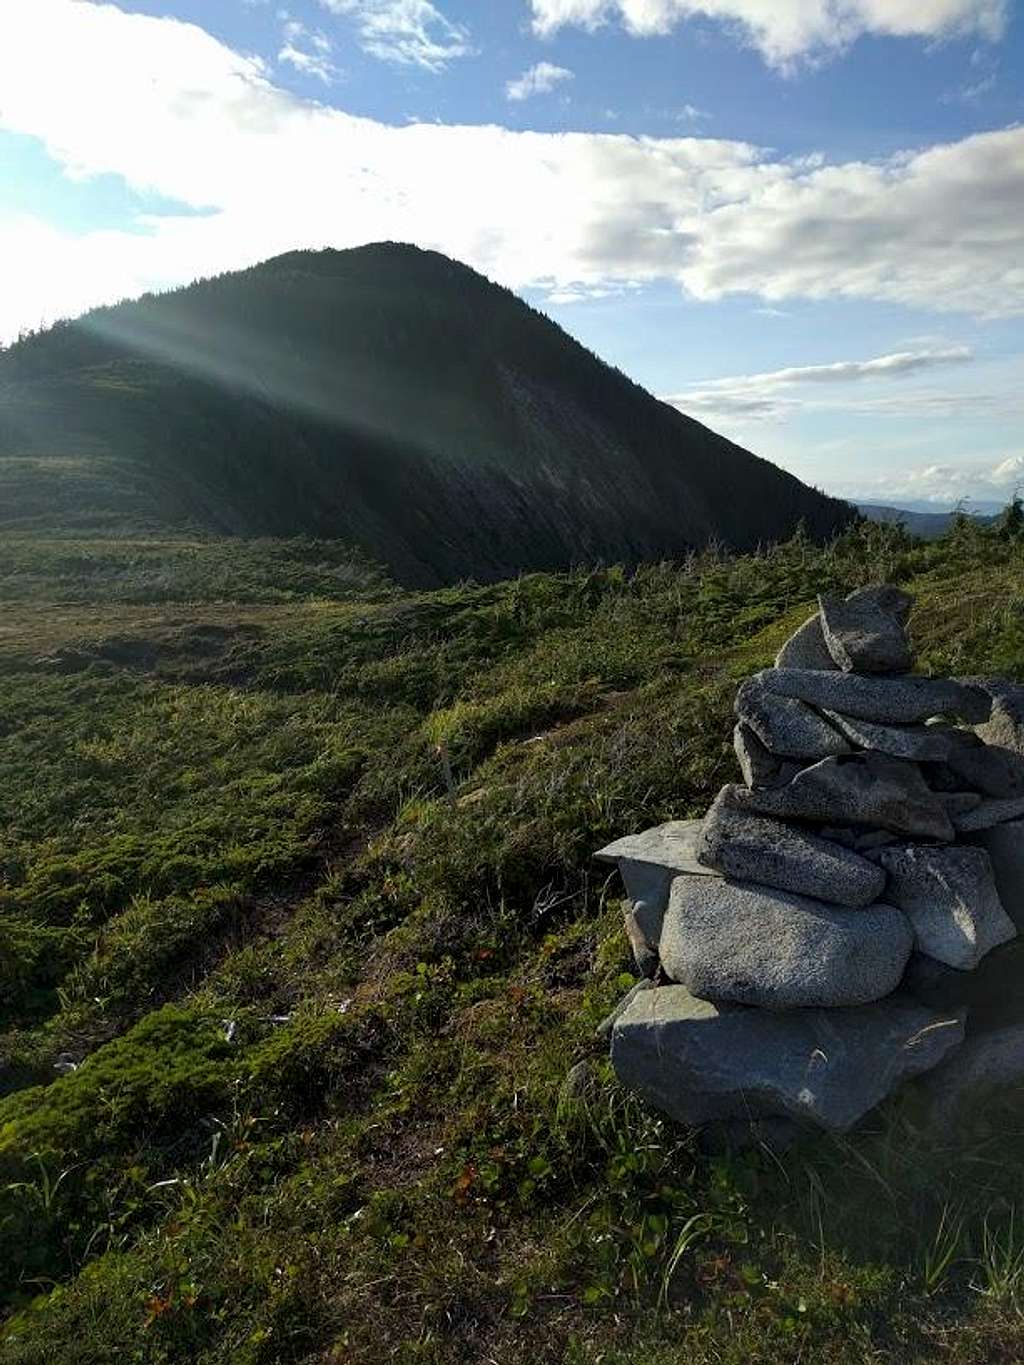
(858, 789)
(958, 803)
(950, 897)
(1004, 845)
(733, 941)
(645, 954)
(860, 840)
(700, 1063)
(758, 849)
(806, 648)
(786, 726)
(989, 813)
(890, 701)
(1004, 726)
(759, 767)
(916, 742)
(862, 637)
(988, 768)
(647, 863)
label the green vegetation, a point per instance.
(385, 396)
(302, 953)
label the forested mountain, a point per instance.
(384, 395)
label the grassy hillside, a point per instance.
(386, 396)
(297, 1044)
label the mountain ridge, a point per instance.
(389, 396)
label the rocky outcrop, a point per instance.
(814, 940)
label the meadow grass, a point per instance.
(303, 953)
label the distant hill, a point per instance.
(387, 396)
(927, 525)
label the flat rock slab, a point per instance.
(701, 1064)
(755, 848)
(863, 637)
(786, 726)
(858, 789)
(1004, 845)
(760, 767)
(889, 701)
(648, 862)
(985, 1063)
(989, 814)
(950, 897)
(919, 743)
(807, 648)
(751, 945)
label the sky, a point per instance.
(800, 221)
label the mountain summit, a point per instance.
(385, 395)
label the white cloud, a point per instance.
(762, 396)
(785, 31)
(309, 52)
(409, 32)
(538, 80)
(945, 483)
(942, 228)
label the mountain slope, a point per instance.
(385, 395)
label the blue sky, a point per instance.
(801, 220)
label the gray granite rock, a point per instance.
(862, 637)
(1004, 845)
(889, 701)
(755, 848)
(917, 742)
(606, 1025)
(858, 789)
(647, 863)
(950, 897)
(703, 1064)
(806, 648)
(986, 1063)
(1005, 724)
(958, 803)
(786, 726)
(759, 767)
(990, 813)
(991, 769)
(884, 597)
(734, 941)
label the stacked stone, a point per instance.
(808, 945)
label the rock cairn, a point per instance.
(811, 943)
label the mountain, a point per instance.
(927, 525)
(387, 396)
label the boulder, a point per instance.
(858, 789)
(920, 743)
(806, 648)
(759, 767)
(988, 814)
(985, 1063)
(884, 597)
(606, 1025)
(734, 941)
(701, 1063)
(1004, 845)
(991, 994)
(755, 848)
(862, 637)
(647, 863)
(786, 726)
(950, 897)
(890, 701)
